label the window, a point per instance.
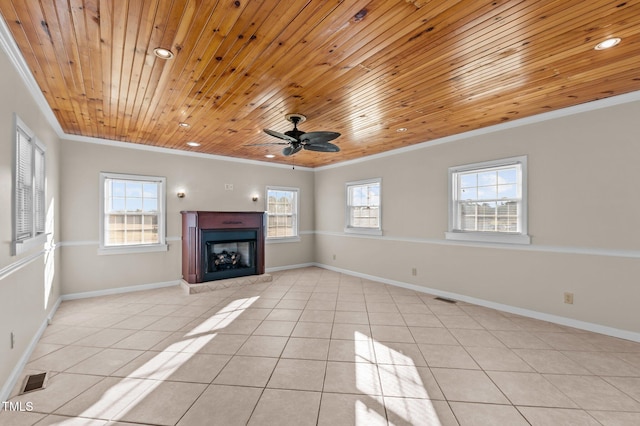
(488, 202)
(29, 190)
(363, 213)
(282, 213)
(132, 213)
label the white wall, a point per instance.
(204, 181)
(583, 219)
(29, 282)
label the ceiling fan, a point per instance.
(297, 139)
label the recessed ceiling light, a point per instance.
(183, 124)
(193, 144)
(270, 156)
(163, 53)
(401, 129)
(610, 42)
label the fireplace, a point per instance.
(228, 254)
(221, 245)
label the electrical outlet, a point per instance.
(414, 271)
(334, 257)
(13, 340)
(228, 187)
(568, 298)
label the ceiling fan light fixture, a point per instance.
(163, 53)
(608, 43)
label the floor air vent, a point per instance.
(444, 299)
(34, 382)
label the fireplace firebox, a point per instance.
(228, 254)
(221, 245)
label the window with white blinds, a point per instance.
(488, 201)
(29, 187)
(133, 212)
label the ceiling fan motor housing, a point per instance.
(295, 133)
(296, 118)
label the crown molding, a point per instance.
(161, 150)
(17, 60)
(15, 56)
(538, 118)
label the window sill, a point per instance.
(363, 231)
(276, 240)
(133, 249)
(488, 237)
(20, 247)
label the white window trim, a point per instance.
(292, 239)
(23, 246)
(521, 237)
(356, 229)
(19, 247)
(162, 220)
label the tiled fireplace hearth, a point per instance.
(222, 249)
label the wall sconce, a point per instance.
(181, 194)
(254, 198)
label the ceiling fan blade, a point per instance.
(290, 150)
(280, 135)
(318, 137)
(287, 151)
(322, 147)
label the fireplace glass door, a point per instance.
(228, 254)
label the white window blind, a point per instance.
(29, 189)
(39, 190)
(24, 186)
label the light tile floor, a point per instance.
(316, 347)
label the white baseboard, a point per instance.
(287, 267)
(8, 386)
(556, 319)
(118, 290)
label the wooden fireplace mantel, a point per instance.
(194, 222)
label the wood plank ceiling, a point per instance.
(364, 68)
